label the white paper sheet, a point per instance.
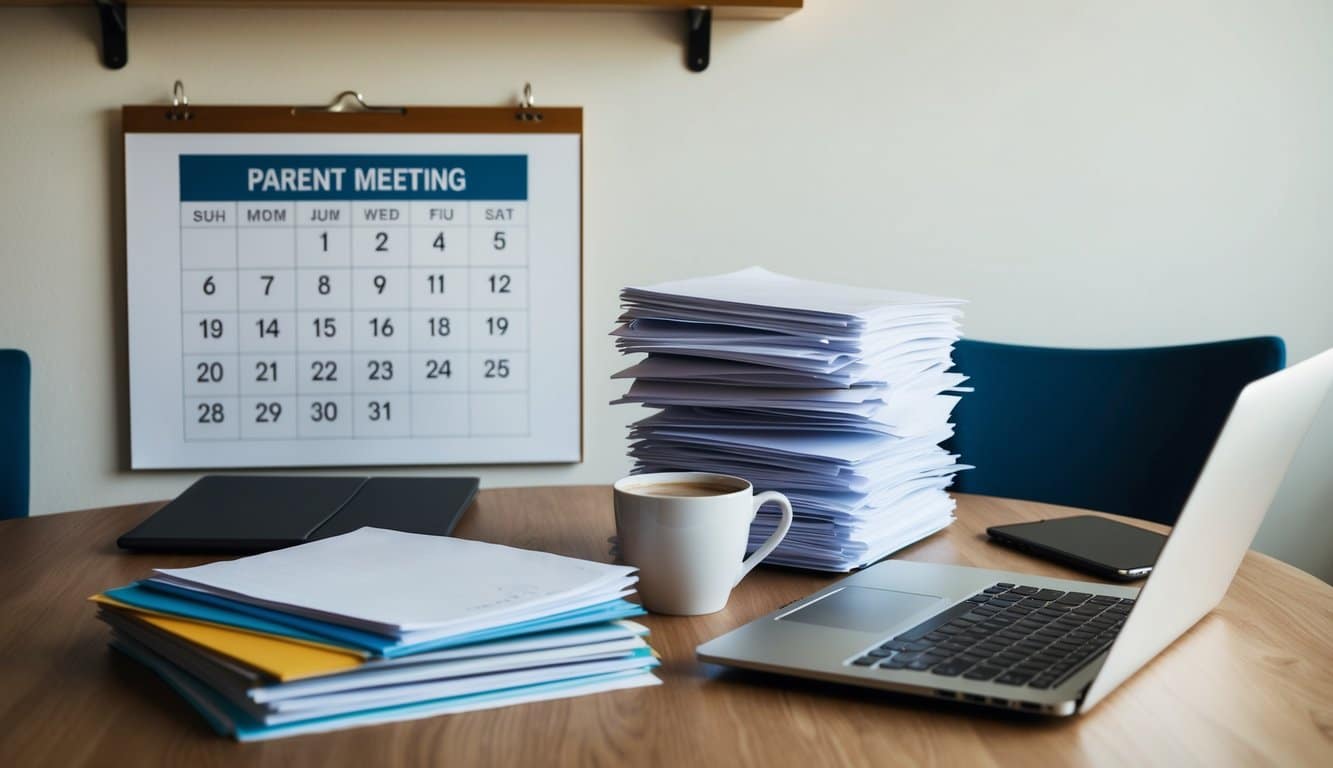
(395, 583)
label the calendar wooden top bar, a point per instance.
(159, 118)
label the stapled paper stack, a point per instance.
(377, 626)
(835, 395)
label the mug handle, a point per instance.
(768, 546)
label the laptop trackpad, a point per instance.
(863, 609)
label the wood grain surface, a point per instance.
(1251, 684)
(206, 118)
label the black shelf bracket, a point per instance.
(115, 45)
(698, 38)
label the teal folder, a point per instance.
(219, 610)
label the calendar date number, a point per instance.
(211, 413)
(267, 413)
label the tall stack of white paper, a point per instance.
(833, 394)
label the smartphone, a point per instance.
(1093, 544)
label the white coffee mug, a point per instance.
(687, 532)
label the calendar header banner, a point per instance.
(213, 178)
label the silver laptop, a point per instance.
(1051, 646)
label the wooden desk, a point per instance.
(1250, 684)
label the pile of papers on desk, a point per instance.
(378, 626)
(835, 395)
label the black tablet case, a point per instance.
(255, 513)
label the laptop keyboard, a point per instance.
(1007, 634)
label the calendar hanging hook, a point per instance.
(180, 103)
(351, 102)
(525, 106)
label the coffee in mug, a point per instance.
(681, 489)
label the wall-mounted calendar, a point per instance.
(310, 288)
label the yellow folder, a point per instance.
(284, 658)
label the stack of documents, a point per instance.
(378, 626)
(834, 395)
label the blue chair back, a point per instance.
(15, 407)
(1125, 431)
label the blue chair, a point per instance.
(15, 403)
(1116, 430)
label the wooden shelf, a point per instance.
(731, 9)
(697, 28)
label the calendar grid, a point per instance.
(467, 381)
(296, 318)
(236, 325)
(185, 371)
(527, 327)
(351, 311)
(324, 357)
(411, 327)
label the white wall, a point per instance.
(1087, 173)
